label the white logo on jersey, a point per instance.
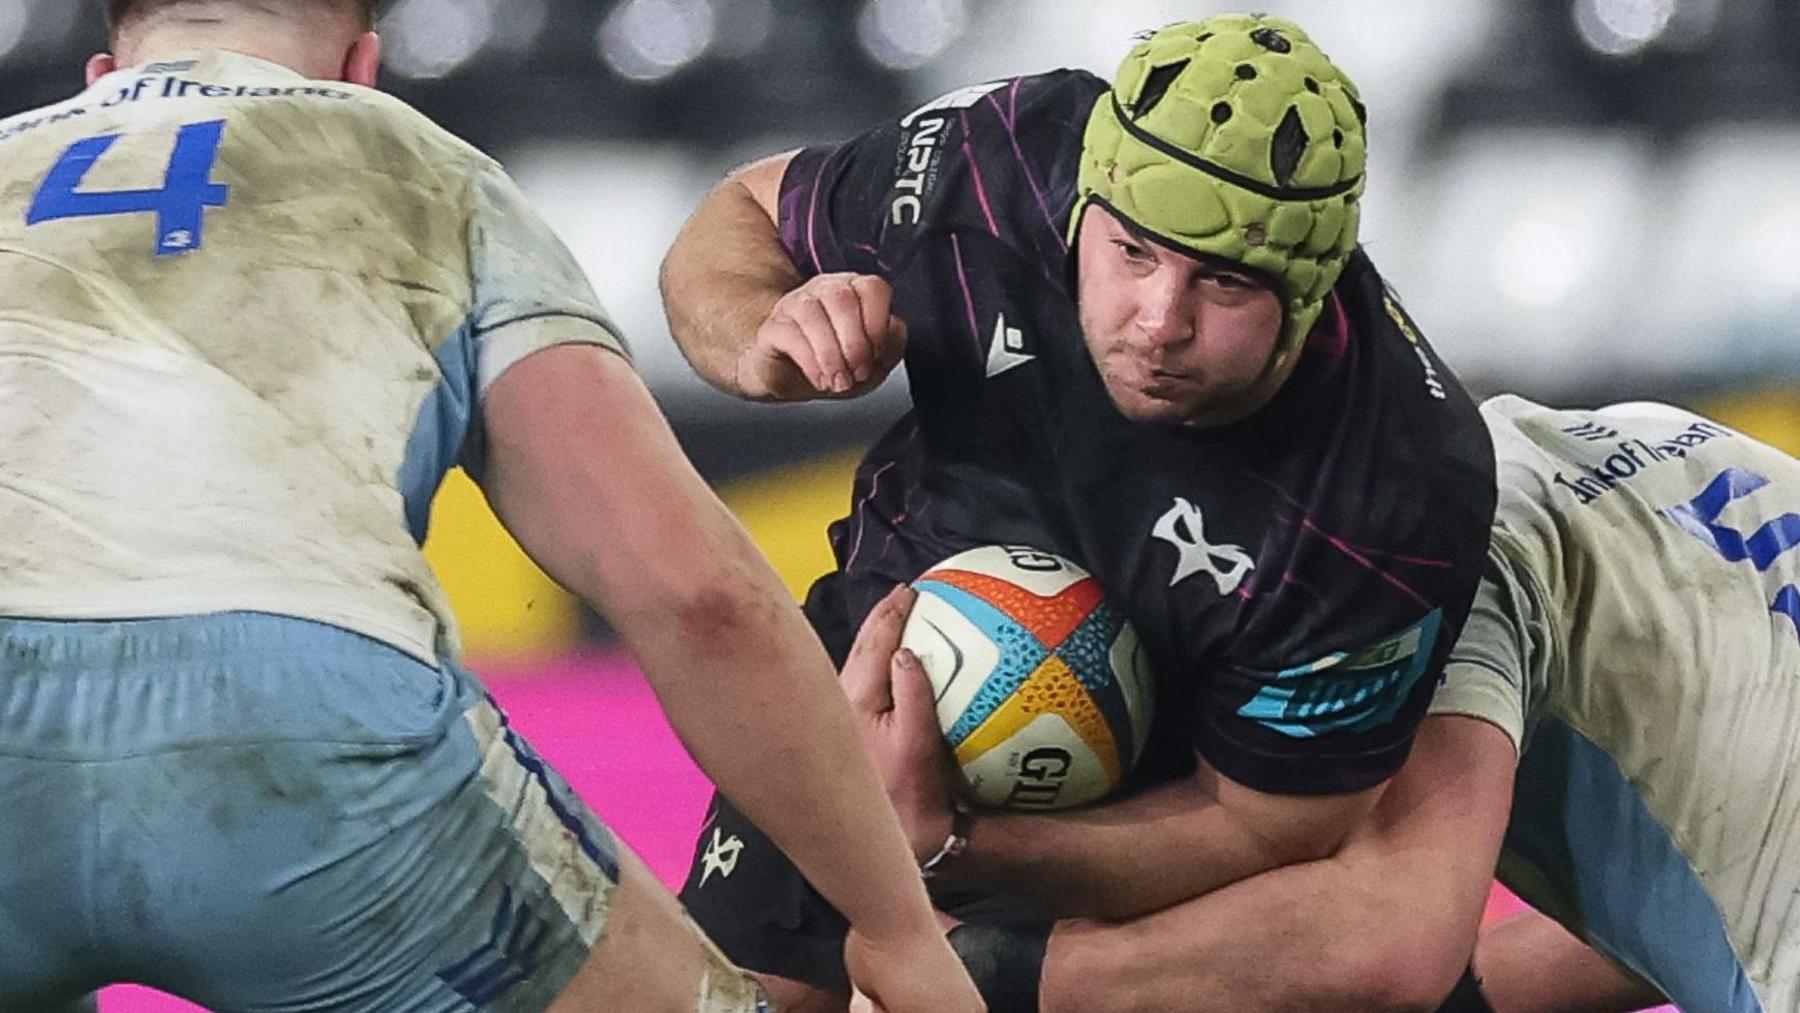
(961, 98)
(1007, 349)
(918, 165)
(721, 856)
(1183, 528)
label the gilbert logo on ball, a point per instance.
(1042, 688)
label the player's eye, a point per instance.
(1134, 252)
(1232, 281)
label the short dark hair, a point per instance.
(118, 10)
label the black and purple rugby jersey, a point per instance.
(1297, 577)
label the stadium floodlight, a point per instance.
(1774, 249)
(432, 38)
(1622, 27)
(904, 34)
(1719, 185)
(648, 40)
(1539, 263)
(1557, 273)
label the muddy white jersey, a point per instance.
(246, 320)
(1638, 632)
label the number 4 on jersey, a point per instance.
(179, 206)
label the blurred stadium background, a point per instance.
(1580, 200)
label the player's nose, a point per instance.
(1164, 316)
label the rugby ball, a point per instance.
(1043, 691)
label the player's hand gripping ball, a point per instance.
(1042, 688)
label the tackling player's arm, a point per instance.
(629, 526)
(1169, 844)
(1530, 964)
(1387, 922)
(1116, 860)
(751, 323)
(581, 466)
(1390, 920)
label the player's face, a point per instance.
(1175, 338)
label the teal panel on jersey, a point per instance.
(1580, 828)
(441, 432)
(1342, 691)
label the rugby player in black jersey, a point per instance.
(1139, 331)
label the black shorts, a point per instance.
(751, 899)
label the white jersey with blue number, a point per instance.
(1638, 632)
(246, 320)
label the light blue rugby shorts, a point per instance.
(263, 813)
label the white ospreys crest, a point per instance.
(720, 856)
(1007, 349)
(1183, 528)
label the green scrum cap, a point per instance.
(1236, 138)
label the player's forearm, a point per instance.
(629, 526)
(1144, 853)
(1112, 861)
(725, 271)
(1530, 964)
(1310, 936)
(1388, 922)
(751, 693)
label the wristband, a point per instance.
(961, 821)
(1006, 962)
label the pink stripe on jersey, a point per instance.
(962, 276)
(975, 173)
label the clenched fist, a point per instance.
(834, 336)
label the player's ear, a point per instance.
(99, 65)
(362, 65)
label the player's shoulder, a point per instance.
(1055, 99)
(996, 161)
(382, 133)
(1408, 464)
(31, 119)
(1030, 126)
(1513, 411)
(1403, 387)
(387, 116)
(1612, 444)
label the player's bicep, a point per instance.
(761, 180)
(861, 205)
(584, 471)
(1292, 828)
(1334, 726)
